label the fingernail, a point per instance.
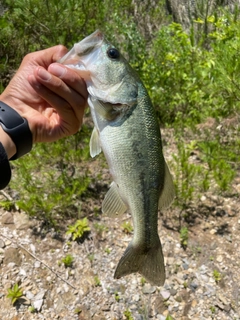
(43, 74)
(57, 70)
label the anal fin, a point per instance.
(113, 203)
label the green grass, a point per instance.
(14, 293)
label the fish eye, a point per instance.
(113, 53)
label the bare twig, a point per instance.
(7, 196)
(36, 258)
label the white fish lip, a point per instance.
(83, 48)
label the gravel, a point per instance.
(202, 280)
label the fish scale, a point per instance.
(127, 130)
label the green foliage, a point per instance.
(127, 227)
(107, 250)
(185, 173)
(191, 75)
(77, 310)
(97, 281)
(14, 293)
(127, 313)
(213, 309)
(32, 309)
(218, 156)
(78, 229)
(68, 261)
(100, 228)
(187, 81)
(50, 181)
(169, 317)
(6, 204)
(143, 281)
(217, 275)
(184, 237)
(117, 296)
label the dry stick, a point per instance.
(31, 254)
(7, 196)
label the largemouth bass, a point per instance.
(127, 130)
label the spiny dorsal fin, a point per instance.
(95, 146)
(168, 193)
(113, 203)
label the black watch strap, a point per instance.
(17, 128)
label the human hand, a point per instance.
(50, 96)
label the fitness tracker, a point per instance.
(17, 128)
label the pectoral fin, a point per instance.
(113, 203)
(168, 193)
(95, 146)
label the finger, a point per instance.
(72, 78)
(49, 88)
(45, 57)
(74, 91)
(71, 87)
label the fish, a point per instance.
(126, 129)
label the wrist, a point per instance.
(17, 129)
(7, 143)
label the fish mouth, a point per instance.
(83, 48)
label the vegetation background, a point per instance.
(187, 54)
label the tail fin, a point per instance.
(149, 263)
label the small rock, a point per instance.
(37, 264)
(173, 292)
(194, 303)
(185, 266)
(21, 221)
(29, 295)
(205, 278)
(12, 255)
(222, 299)
(165, 294)
(136, 297)
(227, 307)
(2, 243)
(24, 300)
(40, 295)
(165, 313)
(8, 242)
(106, 307)
(7, 218)
(220, 305)
(193, 285)
(33, 248)
(22, 272)
(147, 288)
(37, 304)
